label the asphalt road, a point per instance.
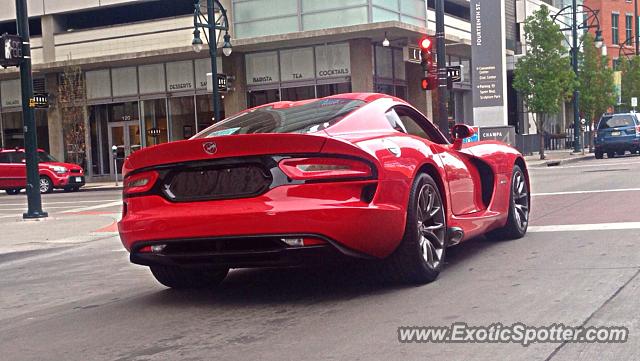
(81, 300)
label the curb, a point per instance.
(555, 163)
(100, 188)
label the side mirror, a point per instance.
(459, 133)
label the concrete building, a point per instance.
(145, 85)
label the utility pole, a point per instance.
(34, 202)
(441, 59)
(576, 94)
(637, 35)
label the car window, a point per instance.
(407, 120)
(4, 158)
(17, 157)
(302, 118)
(619, 120)
(44, 157)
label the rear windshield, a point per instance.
(614, 121)
(304, 118)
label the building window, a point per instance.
(390, 75)
(616, 64)
(154, 114)
(298, 73)
(629, 29)
(615, 38)
(182, 116)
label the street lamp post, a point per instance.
(590, 21)
(212, 24)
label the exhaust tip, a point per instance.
(456, 234)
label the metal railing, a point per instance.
(528, 144)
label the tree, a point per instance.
(597, 88)
(71, 103)
(544, 76)
(630, 79)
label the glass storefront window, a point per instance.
(260, 97)
(12, 129)
(385, 89)
(298, 93)
(183, 117)
(326, 90)
(204, 110)
(384, 62)
(154, 119)
(401, 92)
(123, 112)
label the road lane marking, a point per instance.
(601, 165)
(99, 206)
(44, 206)
(48, 203)
(586, 192)
(585, 227)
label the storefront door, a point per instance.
(126, 137)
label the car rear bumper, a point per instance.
(282, 256)
(326, 211)
(607, 145)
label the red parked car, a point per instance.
(53, 174)
(356, 175)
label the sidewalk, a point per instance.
(556, 157)
(55, 231)
(102, 186)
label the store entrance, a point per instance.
(126, 137)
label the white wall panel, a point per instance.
(8, 9)
(57, 6)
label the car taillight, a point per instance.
(139, 183)
(322, 168)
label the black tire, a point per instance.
(421, 254)
(599, 155)
(610, 154)
(46, 186)
(188, 278)
(71, 189)
(519, 208)
(12, 192)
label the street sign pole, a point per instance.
(34, 202)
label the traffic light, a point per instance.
(428, 83)
(426, 47)
(430, 80)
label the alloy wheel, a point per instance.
(45, 185)
(520, 194)
(431, 225)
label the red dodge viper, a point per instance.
(356, 175)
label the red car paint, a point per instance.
(13, 174)
(335, 210)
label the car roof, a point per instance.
(365, 97)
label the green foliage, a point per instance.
(597, 90)
(630, 79)
(544, 76)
